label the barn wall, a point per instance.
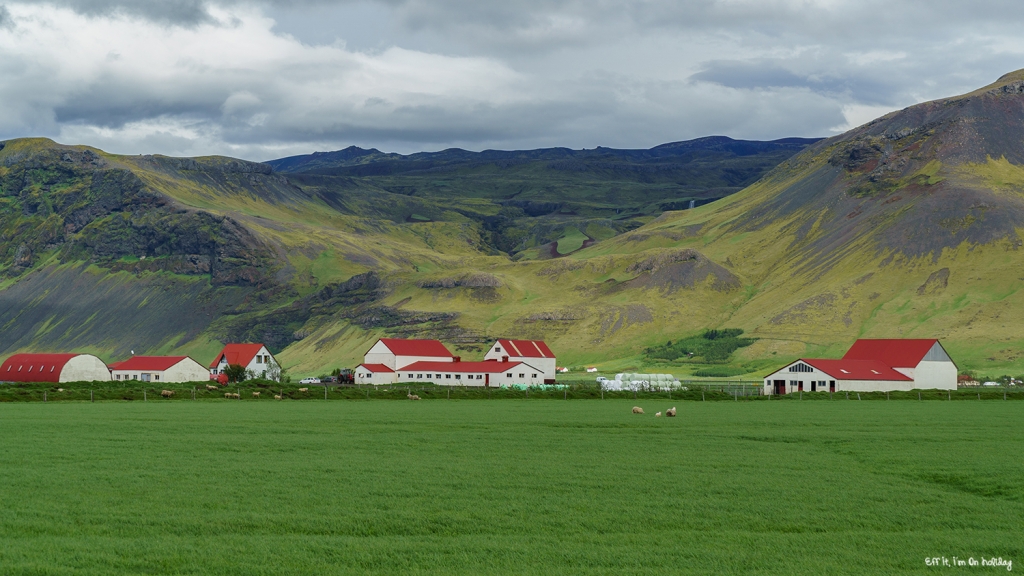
(188, 370)
(935, 375)
(84, 367)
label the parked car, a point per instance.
(310, 380)
(991, 384)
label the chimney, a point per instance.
(504, 358)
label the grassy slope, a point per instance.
(368, 487)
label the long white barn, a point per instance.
(870, 366)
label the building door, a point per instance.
(780, 386)
(800, 386)
(831, 385)
(814, 385)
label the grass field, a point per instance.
(524, 487)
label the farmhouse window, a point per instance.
(438, 376)
(522, 375)
(497, 348)
(509, 375)
(419, 375)
(533, 375)
(448, 376)
(156, 377)
(458, 376)
(479, 377)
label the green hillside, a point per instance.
(907, 226)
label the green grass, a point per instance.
(572, 241)
(477, 487)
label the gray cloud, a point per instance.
(265, 78)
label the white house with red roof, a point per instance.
(256, 359)
(533, 352)
(53, 368)
(390, 354)
(396, 352)
(870, 366)
(169, 369)
(392, 360)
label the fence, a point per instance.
(690, 391)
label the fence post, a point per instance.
(886, 394)
(918, 396)
(144, 399)
(858, 395)
(847, 394)
(949, 395)
(979, 395)
(325, 391)
(44, 395)
(701, 395)
(91, 399)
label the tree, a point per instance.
(235, 372)
(274, 371)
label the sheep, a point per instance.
(227, 394)
(638, 410)
(255, 394)
(303, 389)
(657, 415)
(167, 393)
(60, 389)
(236, 396)
(209, 387)
(277, 396)
(671, 412)
(413, 397)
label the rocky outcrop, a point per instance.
(671, 270)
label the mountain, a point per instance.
(906, 226)
(107, 254)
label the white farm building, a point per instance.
(53, 368)
(169, 369)
(533, 352)
(870, 366)
(392, 360)
(256, 359)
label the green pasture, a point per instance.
(513, 487)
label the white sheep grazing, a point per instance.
(638, 410)
(277, 396)
(657, 415)
(413, 397)
(60, 389)
(210, 387)
(255, 394)
(227, 394)
(671, 412)
(303, 389)
(167, 393)
(236, 396)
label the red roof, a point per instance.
(428, 348)
(856, 369)
(489, 367)
(378, 368)
(900, 353)
(240, 354)
(34, 367)
(154, 363)
(527, 348)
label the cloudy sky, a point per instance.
(272, 78)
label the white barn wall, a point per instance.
(84, 367)
(940, 375)
(456, 378)
(188, 370)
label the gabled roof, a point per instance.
(489, 367)
(240, 354)
(34, 367)
(427, 348)
(898, 353)
(376, 368)
(526, 348)
(856, 369)
(154, 363)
